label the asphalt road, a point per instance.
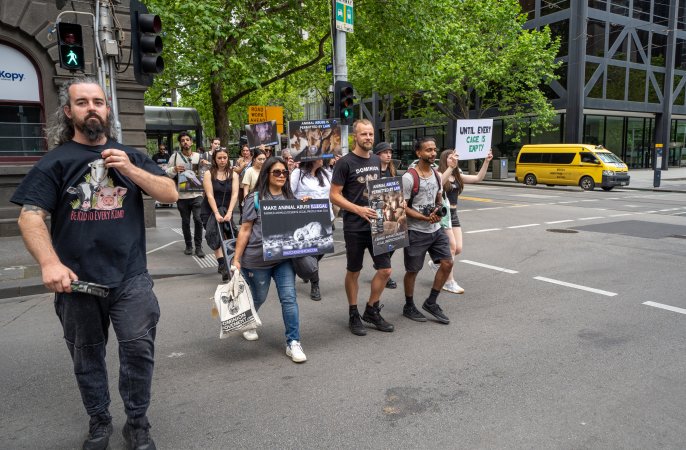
(551, 346)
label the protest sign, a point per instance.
(293, 228)
(473, 139)
(389, 229)
(263, 133)
(310, 140)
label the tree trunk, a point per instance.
(219, 112)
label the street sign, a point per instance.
(345, 15)
(259, 114)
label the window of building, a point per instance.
(598, 4)
(680, 54)
(597, 89)
(561, 29)
(658, 50)
(594, 129)
(620, 7)
(661, 12)
(552, 136)
(642, 10)
(652, 91)
(614, 134)
(21, 110)
(595, 38)
(528, 8)
(637, 85)
(615, 32)
(553, 6)
(616, 81)
(642, 43)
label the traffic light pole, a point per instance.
(111, 49)
(340, 67)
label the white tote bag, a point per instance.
(237, 311)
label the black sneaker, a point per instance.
(198, 252)
(372, 314)
(356, 325)
(314, 292)
(412, 313)
(98, 436)
(436, 311)
(138, 438)
(189, 250)
(390, 284)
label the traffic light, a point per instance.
(70, 40)
(344, 99)
(146, 43)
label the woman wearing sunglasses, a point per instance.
(272, 184)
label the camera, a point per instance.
(426, 210)
(90, 288)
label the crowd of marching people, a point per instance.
(430, 183)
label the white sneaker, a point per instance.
(433, 266)
(250, 335)
(452, 286)
(295, 351)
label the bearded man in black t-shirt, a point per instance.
(92, 186)
(349, 192)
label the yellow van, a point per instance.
(581, 165)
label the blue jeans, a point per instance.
(284, 277)
(133, 309)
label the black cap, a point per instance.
(382, 147)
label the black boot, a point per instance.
(314, 291)
(372, 314)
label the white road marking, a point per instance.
(667, 307)
(679, 213)
(576, 286)
(494, 207)
(207, 262)
(160, 248)
(535, 196)
(621, 215)
(559, 221)
(632, 206)
(525, 226)
(483, 231)
(600, 209)
(178, 231)
(648, 212)
(612, 198)
(591, 218)
(567, 203)
(590, 200)
(669, 209)
(487, 266)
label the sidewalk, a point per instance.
(20, 276)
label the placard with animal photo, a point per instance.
(189, 180)
(263, 133)
(389, 229)
(293, 228)
(310, 140)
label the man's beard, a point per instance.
(366, 146)
(94, 130)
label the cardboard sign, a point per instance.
(293, 228)
(389, 229)
(473, 138)
(309, 140)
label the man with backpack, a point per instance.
(424, 209)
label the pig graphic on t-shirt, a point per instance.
(108, 197)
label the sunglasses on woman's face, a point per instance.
(279, 173)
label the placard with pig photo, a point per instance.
(293, 228)
(309, 140)
(263, 133)
(389, 228)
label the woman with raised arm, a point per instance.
(453, 183)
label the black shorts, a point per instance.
(436, 243)
(454, 220)
(356, 242)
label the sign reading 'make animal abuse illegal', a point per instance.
(473, 140)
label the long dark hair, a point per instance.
(306, 168)
(443, 166)
(262, 185)
(215, 167)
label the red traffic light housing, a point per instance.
(146, 43)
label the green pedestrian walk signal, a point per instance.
(70, 39)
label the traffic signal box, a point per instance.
(70, 38)
(146, 43)
(344, 99)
